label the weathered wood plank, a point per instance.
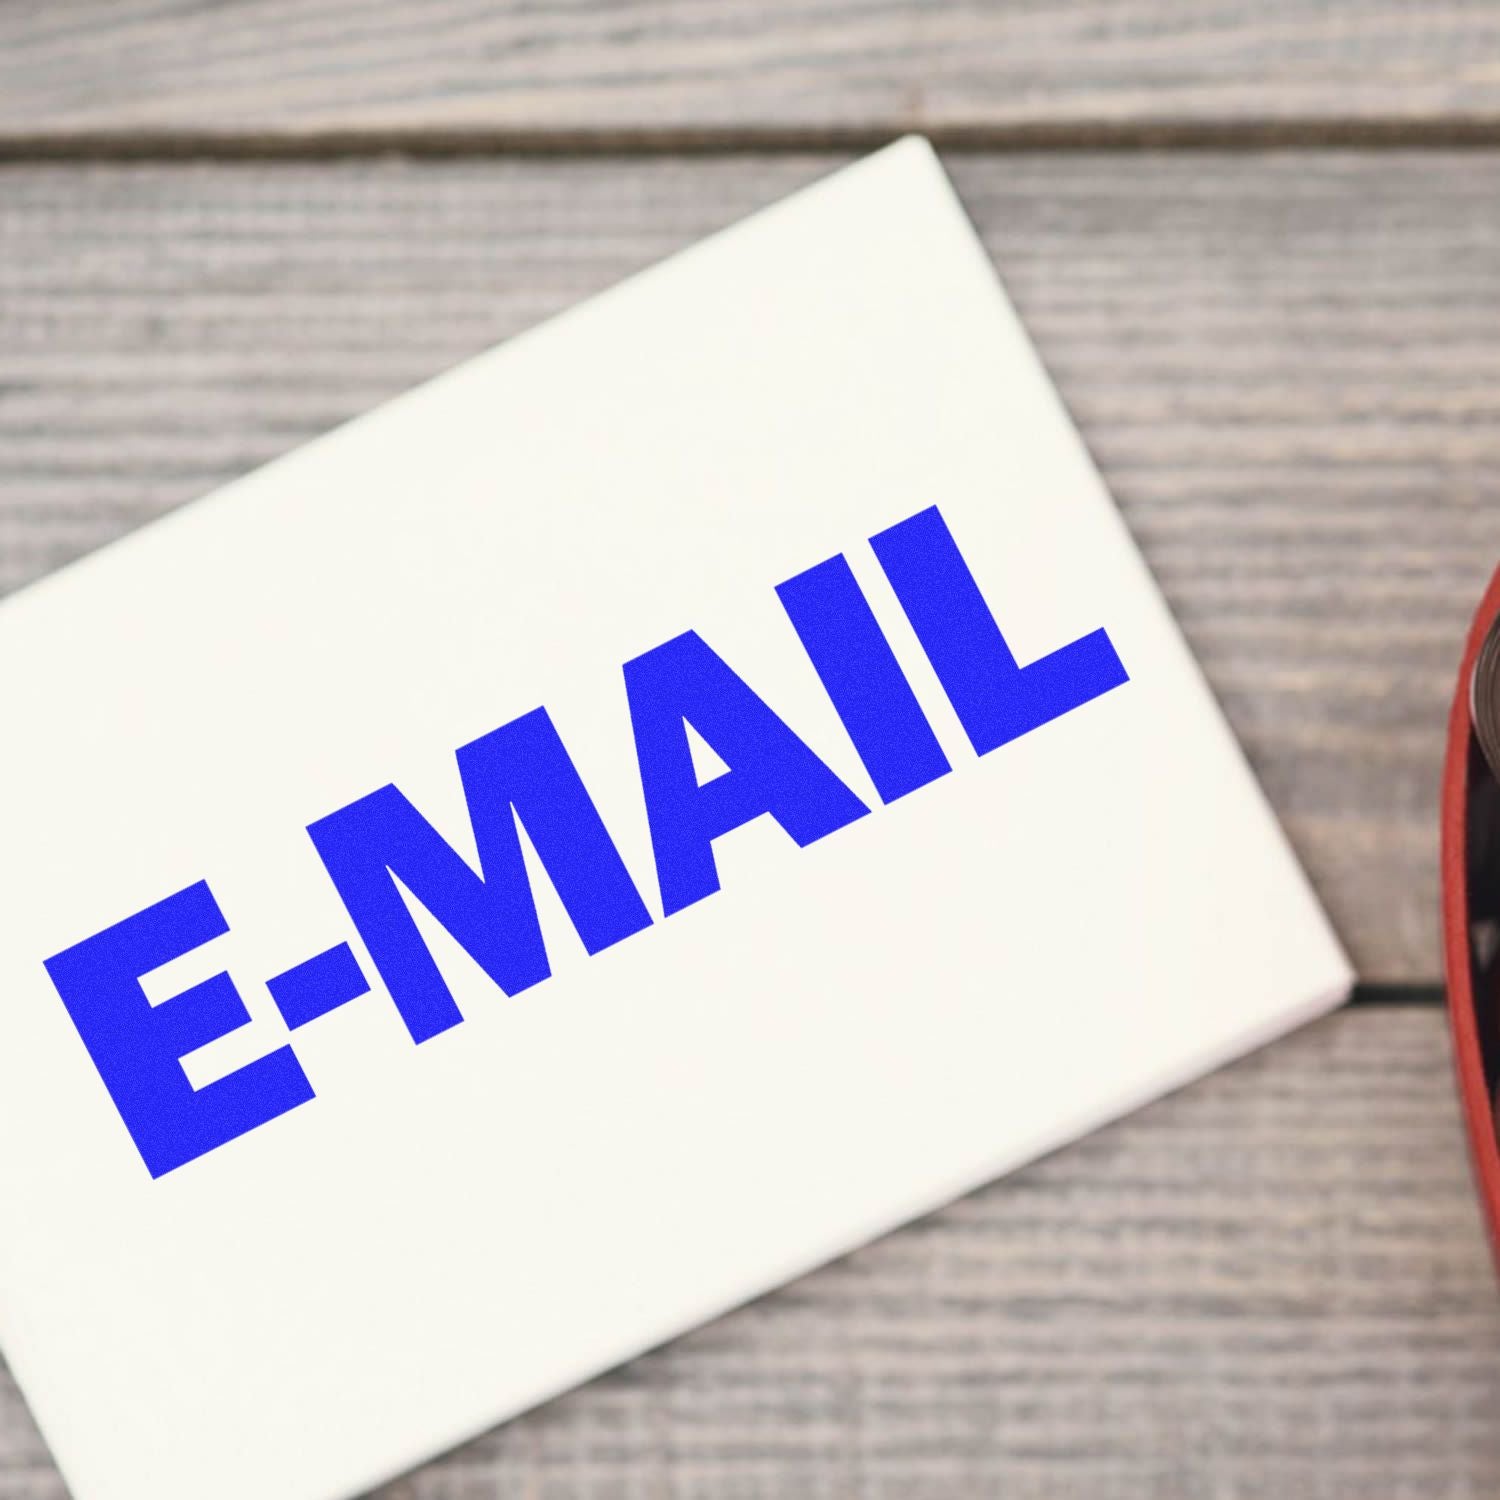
(1288, 367)
(1271, 1286)
(304, 69)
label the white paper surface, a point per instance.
(845, 1036)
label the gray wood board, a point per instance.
(1270, 1286)
(1288, 367)
(653, 69)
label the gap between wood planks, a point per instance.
(1397, 994)
(1474, 131)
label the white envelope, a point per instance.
(878, 834)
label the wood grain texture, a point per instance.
(1287, 366)
(731, 69)
(1272, 1286)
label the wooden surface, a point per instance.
(1287, 363)
(1288, 366)
(731, 70)
(1271, 1286)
